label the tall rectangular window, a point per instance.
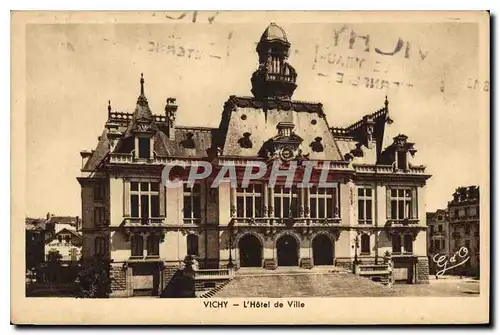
(249, 201)
(323, 202)
(401, 160)
(408, 243)
(99, 191)
(144, 147)
(153, 245)
(285, 202)
(144, 200)
(137, 245)
(192, 202)
(365, 244)
(365, 205)
(99, 216)
(403, 203)
(396, 243)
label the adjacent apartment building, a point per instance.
(455, 227)
(438, 224)
(376, 204)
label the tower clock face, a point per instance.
(286, 153)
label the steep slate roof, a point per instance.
(260, 119)
(247, 115)
(99, 153)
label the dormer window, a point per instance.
(401, 161)
(317, 146)
(144, 147)
(245, 141)
(188, 142)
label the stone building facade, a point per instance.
(455, 227)
(464, 227)
(375, 202)
(437, 236)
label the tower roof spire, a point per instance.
(142, 83)
(142, 100)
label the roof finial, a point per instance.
(142, 84)
(386, 102)
(109, 106)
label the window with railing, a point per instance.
(323, 202)
(144, 200)
(402, 203)
(365, 205)
(285, 202)
(249, 201)
(192, 202)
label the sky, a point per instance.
(431, 73)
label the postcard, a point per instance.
(254, 168)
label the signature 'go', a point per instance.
(442, 261)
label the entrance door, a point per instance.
(250, 251)
(322, 250)
(288, 251)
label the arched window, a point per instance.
(100, 246)
(192, 245)
(153, 245)
(137, 244)
(365, 243)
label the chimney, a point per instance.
(171, 111)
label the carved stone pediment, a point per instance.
(144, 125)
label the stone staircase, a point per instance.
(214, 291)
(296, 282)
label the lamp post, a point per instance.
(229, 245)
(355, 246)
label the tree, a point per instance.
(93, 280)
